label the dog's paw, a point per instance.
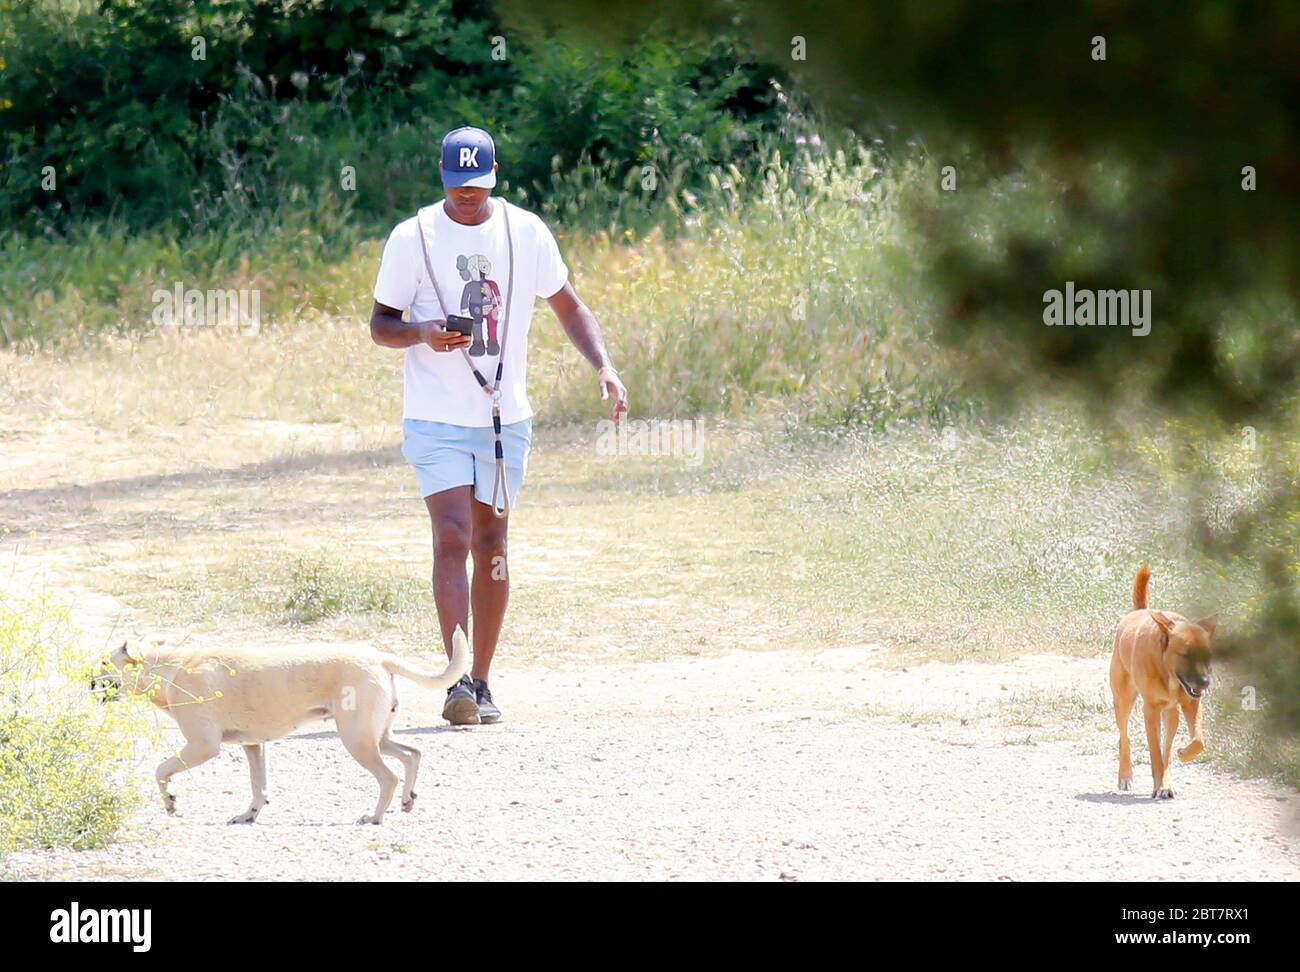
(1126, 782)
(1191, 750)
(368, 819)
(1163, 793)
(247, 817)
(409, 803)
(169, 804)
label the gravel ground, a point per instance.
(752, 766)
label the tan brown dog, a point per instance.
(1164, 658)
(253, 695)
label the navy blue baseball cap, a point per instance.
(468, 159)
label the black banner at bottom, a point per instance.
(301, 921)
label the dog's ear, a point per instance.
(1166, 625)
(133, 655)
(1209, 624)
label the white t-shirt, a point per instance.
(473, 269)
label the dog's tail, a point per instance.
(448, 677)
(1140, 588)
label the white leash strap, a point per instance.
(500, 485)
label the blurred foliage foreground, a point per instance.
(1143, 145)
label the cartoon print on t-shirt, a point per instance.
(480, 300)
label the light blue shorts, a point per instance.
(445, 456)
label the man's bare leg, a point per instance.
(490, 591)
(460, 525)
(449, 514)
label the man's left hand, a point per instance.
(611, 384)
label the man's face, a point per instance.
(467, 202)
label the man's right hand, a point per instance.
(436, 336)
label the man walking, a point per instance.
(454, 259)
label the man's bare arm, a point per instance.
(388, 330)
(583, 330)
(581, 326)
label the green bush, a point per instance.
(65, 760)
(315, 588)
(287, 92)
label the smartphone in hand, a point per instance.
(461, 325)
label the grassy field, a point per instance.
(962, 543)
(971, 550)
(795, 293)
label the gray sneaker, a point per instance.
(487, 709)
(461, 708)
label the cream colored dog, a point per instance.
(251, 696)
(1164, 658)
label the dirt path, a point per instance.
(754, 765)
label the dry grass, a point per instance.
(802, 301)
